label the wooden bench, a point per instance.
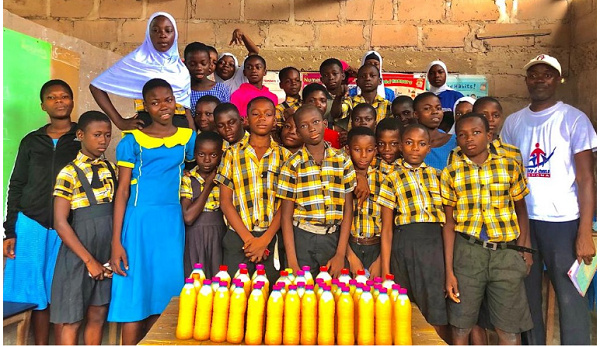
(20, 313)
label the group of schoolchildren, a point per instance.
(331, 176)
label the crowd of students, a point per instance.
(214, 170)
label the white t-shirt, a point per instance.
(548, 141)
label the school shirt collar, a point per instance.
(82, 158)
(245, 143)
(194, 173)
(410, 167)
(491, 156)
(361, 99)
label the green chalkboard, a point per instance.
(26, 69)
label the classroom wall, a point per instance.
(408, 33)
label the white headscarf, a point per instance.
(438, 90)
(128, 76)
(236, 80)
(381, 87)
(468, 99)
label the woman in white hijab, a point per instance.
(374, 58)
(228, 70)
(461, 107)
(157, 57)
(436, 75)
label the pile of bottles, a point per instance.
(299, 310)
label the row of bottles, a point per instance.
(299, 310)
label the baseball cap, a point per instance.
(544, 59)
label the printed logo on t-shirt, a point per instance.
(537, 162)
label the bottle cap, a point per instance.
(360, 272)
(236, 281)
(300, 273)
(345, 272)
(353, 282)
(239, 284)
(242, 266)
(370, 283)
(257, 286)
(378, 280)
(260, 267)
(319, 280)
(366, 288)
(215, 279)
(306, 268)
(207, 282)
(403, 291)
(198, 266)
(189, 280)
(260, 283)
(360, 286)
(327, 288)
(223, 268)
(396, 287)
(293, 287)
(260, 271)
(378, 286)
(244, 271)
(223, 284)
(345, 290)
(382, 290)
(335, 281)
(323, 268)
(283, 273)
(389, 277)
(309, 287)
(281, 284)
(300, 284)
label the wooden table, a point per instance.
(20, 313)
(163, 331)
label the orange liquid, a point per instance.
(273, 332)
(220, 317)
(308, 323)
(291, 318)
(203, 314)
(326, 335)
(187, 311)
(256, 317)
(366, 319)
(383, 320)
(345, 319)
(237, 314)
(403, 321)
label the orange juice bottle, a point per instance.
(258, 267)
(335, 285)
(234, 282)
(204, 306)
(403, 321)
(218, 330)
(283, 277)
(256, 316)
(245, 280)
(326, 311)
(299, 277)
(360, 277)
(260, 276)
(352, 287)
(275, 307)
(187, 311)
(378, 280)
(345, 318)
(371, 285)
(301, 289)
(366, 318)
(356, 298)
(388, 283)
(215, 284)
(224, 275)
(198, 276)
(240, 267)
(345, 277)
(237, 314)
(307, 275)
(281, 286)
(395, 292)
(308, 323)
(383, 318)
(291, 317)
(291, 275)
(319, 287)
(324, 275)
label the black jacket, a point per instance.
(34, 174)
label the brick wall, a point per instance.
(409, 34)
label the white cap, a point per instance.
(544, 59)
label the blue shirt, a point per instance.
(448, 98)
(438, 157)
(389, 94)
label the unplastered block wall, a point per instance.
(302, 33)
(92, 61)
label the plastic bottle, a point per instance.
(345, 318)
(275, 307)
(326, 311)
(371, 284)
(320, 283)
(301, 289)
(204, 306)
(376, 293)
(256, 316)
(345, 277)
(218, 330)
(335, 285)
(388, 283)
(360, 277)
(356, 298)
(378, 280)
(240, 267)
(187, 311)
(383, 318)
(395, 292)
(260, 276)
(291, 317)
(223, 275)
(237, 313)
(299, 277)
(291, 275)
(215, 284)
(366, 318)
(352, 287)
(258, 267)
(198, 275)
(403, 321)
(308, 324)
(283, 277)
(307, 275)
(246, 281)
(281, 286)
(324, 275)
(234, 282)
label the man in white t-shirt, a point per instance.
(557, 142)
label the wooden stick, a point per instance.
(513, 33)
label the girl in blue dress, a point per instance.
(148, 229)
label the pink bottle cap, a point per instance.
(378, 280)
(242, 266)
(257, 286)
(403, 291)
(306, 268)
(309, 287)
(300, 273)
(300, 284)
(353, 282)
(396, 287)
(189, 280)
(207, 282)
(198, 266)
(293, 287)
(223, 283)
(260, 267)
(319, 280)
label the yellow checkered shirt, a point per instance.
(68, 185)
(484, 196)
(367, 218)
(413, 194)
(318, 191)
(244, 138)
(279, 109)
(253, 181)
(381, 105)
(212, 203)
(497, 147)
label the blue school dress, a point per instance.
(153, 232)
(438, 157)
(448, 98)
